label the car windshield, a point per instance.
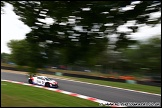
(48, 79)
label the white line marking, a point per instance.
(65, 92)
(82, 96)
(110, 87)
(67, 79)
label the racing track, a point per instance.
(100, 92)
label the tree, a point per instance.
(96, 19)
(146, 57)
(5, 57)
(26, 54)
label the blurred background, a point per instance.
(119, 39)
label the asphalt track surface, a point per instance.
(100, 92)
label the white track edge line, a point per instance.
(65, 92)
(110, 87)
(105, 85)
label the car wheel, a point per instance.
(30, 81)
(57, 86)
(47, 85)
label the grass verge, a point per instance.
(15, 95)
(139, 87)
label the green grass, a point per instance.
(15, 95)
(139, 87)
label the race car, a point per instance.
(43, 81)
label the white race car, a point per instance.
(43, 81)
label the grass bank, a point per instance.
(15, 95)
(139, 87)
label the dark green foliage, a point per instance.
(5, 57)
(146, 57)
(91, 15)
(69, 45)
(26, 54)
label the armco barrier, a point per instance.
(12, 68)
(149, 83)
(94, 77)
(69, 74)
(90, 77)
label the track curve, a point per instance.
(100, 92)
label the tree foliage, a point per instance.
(146, 57)
(96, 19)
(5, 57)
(26, 54)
